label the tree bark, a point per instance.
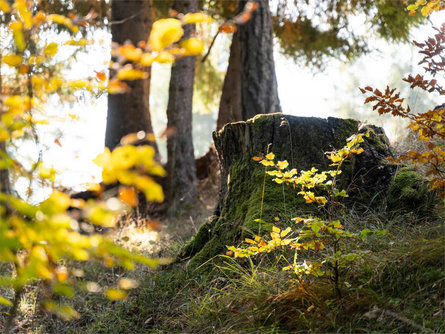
(5, 186)
(250, 85)
(129, 112)
(182, 189)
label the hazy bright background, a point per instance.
(333, 92)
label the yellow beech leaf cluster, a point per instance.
(130, 165)
(40, 238)
(426, 6)
(163, 46)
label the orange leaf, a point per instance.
(154, 225)
(243, 17)
(101, 76)
(227, 28)
(128, 195)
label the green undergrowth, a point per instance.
(398, 287)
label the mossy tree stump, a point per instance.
(248, 194)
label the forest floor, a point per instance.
(400, 287)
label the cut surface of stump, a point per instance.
(248, 194)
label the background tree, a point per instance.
(129, 112)
(250, 85)
(310, 32)
(182, 181)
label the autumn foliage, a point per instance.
(429, 126)
(42, 240)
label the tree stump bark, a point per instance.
(248, 194)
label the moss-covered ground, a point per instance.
(399, 287)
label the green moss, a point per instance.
(408, 192)
(263, 119)
(379, 141)
(199, 240)
(253, 200)
(242, 207)
(211, 249)
(346, 128)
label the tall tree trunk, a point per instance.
(182, 187)
(250, 85)
(129, 112)
(5, 186)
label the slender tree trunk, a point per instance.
(182, 182)
(4, 173)
(129, 112)
(250, 85)
(5, 186)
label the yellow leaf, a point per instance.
(103, 159)
(117, 87)
(60, 19)
(4, 6)
(22, 7)
(192, 46)
(335, 158)
(147, 59)
(13, 101)
(267, 163)
(81, 255)
(80, 42)
(124, 157)
(270, 156)
(35, 60)
(275, 229)
(4, 134)
(165, 57)
(60, 200)
(78, 84)
(115, 294)
(39, 253)
(130, 52)
(51, 49)
(4, 301)
(17, 33)
(127, 283)
(39, 18)
(250, 241)
(47, 173)
(282, 164)
(285, 232)
(151, 190)
(12, 60)
(196, 18)
(128, 73)
(164, 33)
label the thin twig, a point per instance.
(210, 47)
(127, 18)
